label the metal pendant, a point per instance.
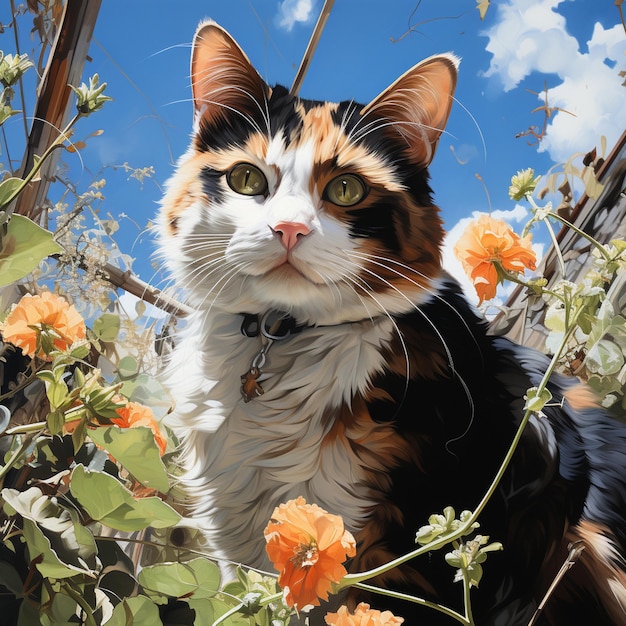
(274, 326)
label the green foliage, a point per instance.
(24, 245)
(108, 501)
(446, 524)
(138, 611)
(90, 98)
(136, 450)
(469, 556)
(198, 579)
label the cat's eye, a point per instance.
(345, 190)
(247, 179)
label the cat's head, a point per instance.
(319, 209)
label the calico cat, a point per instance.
(329, 356)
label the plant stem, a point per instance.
(4, 470)
(354, 579)
(26, 428)
(222, 618)
(582, 233)
(466, 597)
(273, 598)
(38, 163)
(402, 596)
(514, 278)
(518, 435)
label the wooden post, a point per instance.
(54, 102)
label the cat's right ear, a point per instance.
(222, 78)
(417, 105)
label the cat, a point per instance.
(379, 394)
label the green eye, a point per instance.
(247, 179)
(345, 190)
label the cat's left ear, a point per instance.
(223, 79)
(418, 105)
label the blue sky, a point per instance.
(577, 47)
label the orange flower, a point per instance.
(135, 414)
(488, 244)
(44, 313)
(362, 616)
(307, 546)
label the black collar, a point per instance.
(272, 325)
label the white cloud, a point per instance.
(531, 36)
(292, 12)
(593, 94)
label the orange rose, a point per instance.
(362, 616)
(487, 244)
(307, 546)
(44, 313)
(135, 414)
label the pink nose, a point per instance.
(290, 233)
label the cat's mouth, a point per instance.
(289, 269)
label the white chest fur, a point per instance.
(243, 459)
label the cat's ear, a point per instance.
(418, 104)
(222, 78)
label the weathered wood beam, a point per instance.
(52, 112)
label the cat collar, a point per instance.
(272, 326)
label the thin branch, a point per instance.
(127, 281)
(310, 51)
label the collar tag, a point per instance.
(273, 326)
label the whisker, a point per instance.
(444, 344)
(354, 280)
(435, 294)
(416, 308)
(232, 270)
(247, 118)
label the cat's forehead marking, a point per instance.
(321, 139)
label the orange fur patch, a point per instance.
(184, 190)
(380, 449)
(581, 397)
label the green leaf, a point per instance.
(140, 307)
(127, 367)
(605, 358)
(146, 390)
(29, 614)
(220, 607)
(198, 578)
(205, 615)
(78, 435)
(60, 610)
(40, 551)
(55, 421)
(8, 188)
(11, 579)
(107, 327)
(137, 611)
(25, 245)
(57, 393)
(108, 501)
(137, 451)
